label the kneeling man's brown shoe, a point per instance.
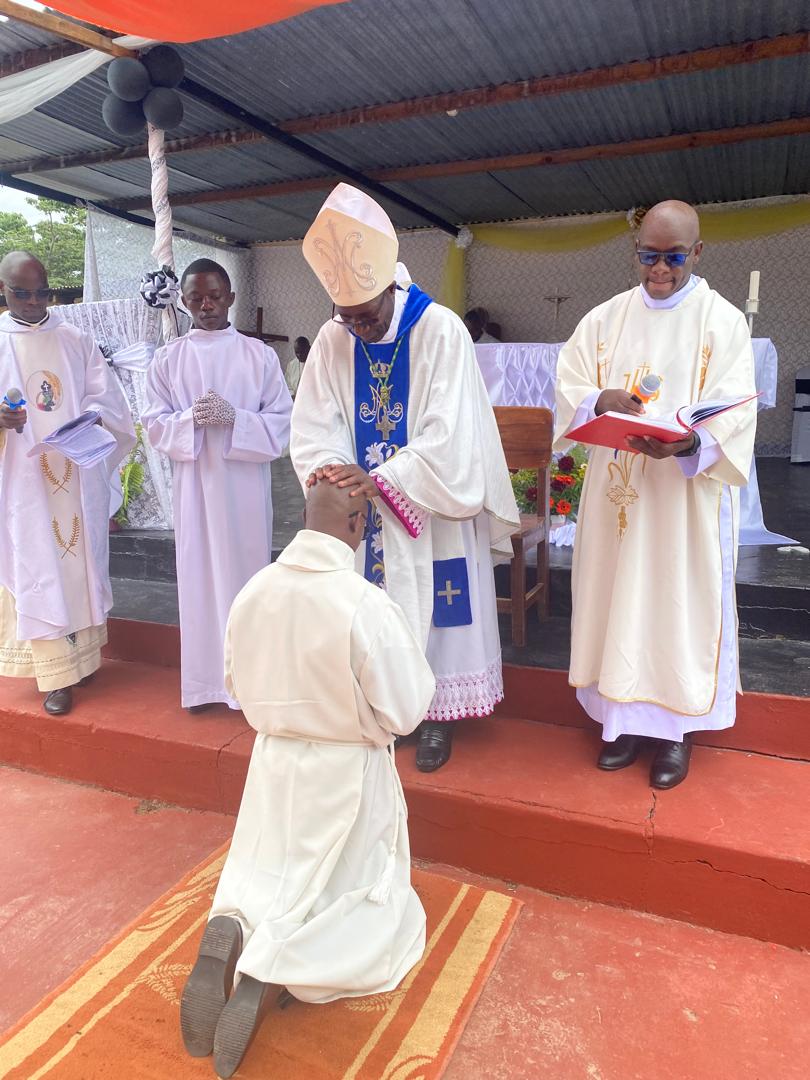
(209, 984)
(59, 702)
(238, 1024)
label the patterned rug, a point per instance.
(118, 1016)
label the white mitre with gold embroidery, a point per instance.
(352, 247)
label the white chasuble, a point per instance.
(318, 872)
(650, 625)
(223, 513)
(446, 499)
(55, 561)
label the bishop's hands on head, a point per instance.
(353, 477)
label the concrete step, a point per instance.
(521, 801)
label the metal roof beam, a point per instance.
(64, 28)
(566, 156)
(346, 172)
(638, 71)
(31, 58)
(76, 200)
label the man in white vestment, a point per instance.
(54, 558)
(218, 406)
(393, 406)
(315, 895)
(295, 368)
(654, 625)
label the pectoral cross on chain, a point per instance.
(385, 425)
(448, 592)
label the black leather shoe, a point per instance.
(671, 763)
(620, 753)
(238, 1024)
(435, 744)
(59, 702)
(209, 985)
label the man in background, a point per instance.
(295, 368)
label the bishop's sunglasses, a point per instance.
(671, 258)
(29, 294)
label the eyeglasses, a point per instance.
(671, 258)
(29, 294)
(368, 320)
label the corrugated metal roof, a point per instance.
(364, 53)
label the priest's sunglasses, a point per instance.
(30, 294)
(671, 258)
(372, 319)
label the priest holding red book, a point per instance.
(654, 624)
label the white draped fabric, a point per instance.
(526, 374)
(130, 331)
(27, 90)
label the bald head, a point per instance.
(669, 228)
(24, 283)
(331, 510)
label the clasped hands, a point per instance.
(211, 409)
(619, 401)
(346, 476)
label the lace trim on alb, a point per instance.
(467, 694)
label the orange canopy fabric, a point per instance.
(184, 21)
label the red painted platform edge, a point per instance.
(546, 847)
(766, 723)
(773, 724)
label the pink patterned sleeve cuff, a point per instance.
(411, 517)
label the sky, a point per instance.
(12, 202)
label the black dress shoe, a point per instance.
(671, 763)
(209, 985)
(238, 1024)
(435, 744)
(59, 702)
(620, 753)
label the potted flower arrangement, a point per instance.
(567, 478)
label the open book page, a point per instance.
(82, 440)
(612, 429)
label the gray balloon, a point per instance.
(122, 117)
(165, 66)
(128, 78)
(163, 108)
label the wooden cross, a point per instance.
(448, 592)
(557, 299)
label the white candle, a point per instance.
(753, 285)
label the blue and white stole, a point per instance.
(382, 377)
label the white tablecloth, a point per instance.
(525, 374)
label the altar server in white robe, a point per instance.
(315, 895)
(393, 405)
(54, 557)
(654, 627)
(219, 407)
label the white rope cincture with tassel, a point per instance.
(380, 892)
(162, 250)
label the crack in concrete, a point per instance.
(476, 796)
(735, 873)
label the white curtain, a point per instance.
(27, 90)
(129, 330)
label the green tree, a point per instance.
(57, 239)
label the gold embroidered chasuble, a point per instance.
(647, 572)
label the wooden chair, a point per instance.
(527, 436)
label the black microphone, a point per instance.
(14, 400)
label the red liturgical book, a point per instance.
(612, 429)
